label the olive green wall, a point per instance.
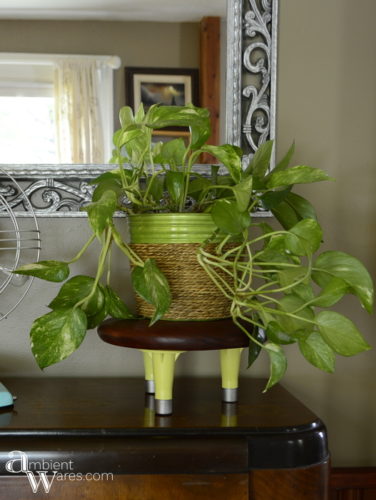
(145, 44)
(326, 103)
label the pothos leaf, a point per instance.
(115, 306)
(49, 270)
(56, 335)
(294, 322)
(278, 364)
(151, 284)
(302, 207)
(261, 160)
(100, 212)
(275, 335)
(76, 289)
(198, 119)
(301, 174)
(284, 163)
(155, 187)
(340, 333)
(304, 238)
(317, 352)
(349, 269)
(175, 182)
(226, 216)
(332, 292)
(243, 193)
(255, 348)
(285, 215)
(172, 152)
(126, 116)
(230, 156)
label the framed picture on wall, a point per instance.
(168, 86)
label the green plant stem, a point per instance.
(83, 249)
(187, 150)
(191, 160)
(222, 244)
(108, 276)
(223, 265)
(141, 162)
(154, 175)
(266, 235)
(151, 155)
(206, 190)
(297, 282)
(279, 312)
(280, 264)
(100, 268)
(123, 177)
(126, 249)
(244, 330)
(247, 270)
(216, 264)
(216, 278)
(252, 322)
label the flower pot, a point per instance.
(173, 241)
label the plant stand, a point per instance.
(162, 344)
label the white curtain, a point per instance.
(78, 117)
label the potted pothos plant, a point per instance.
(280, 289)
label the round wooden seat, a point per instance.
(173, 335)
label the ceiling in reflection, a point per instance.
(113, 10)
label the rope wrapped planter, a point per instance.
(194, 295)
(173, 241)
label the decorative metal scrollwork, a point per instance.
(252, 99)
(54, 191)
(58, 191)
(259, 61)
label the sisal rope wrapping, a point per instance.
(194, 295)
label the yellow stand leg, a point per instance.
(230, 364)
(163, 370)
(149, 374)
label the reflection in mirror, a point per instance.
(249, 58)
(66, 105)
(134, 31)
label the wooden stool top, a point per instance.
(173, 335)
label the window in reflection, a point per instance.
(27, 125)
(56, 108)
(27, 116)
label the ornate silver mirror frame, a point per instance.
(60, 190)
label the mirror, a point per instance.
(60, 190)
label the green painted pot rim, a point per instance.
(172, 215)
(171, 228)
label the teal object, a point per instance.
(6, 398)
(171, 228)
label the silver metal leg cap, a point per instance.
(149, 387)
(230, 395)
(163, 406)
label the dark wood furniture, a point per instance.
(353, 483)
(265, 447)
(173, 335)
